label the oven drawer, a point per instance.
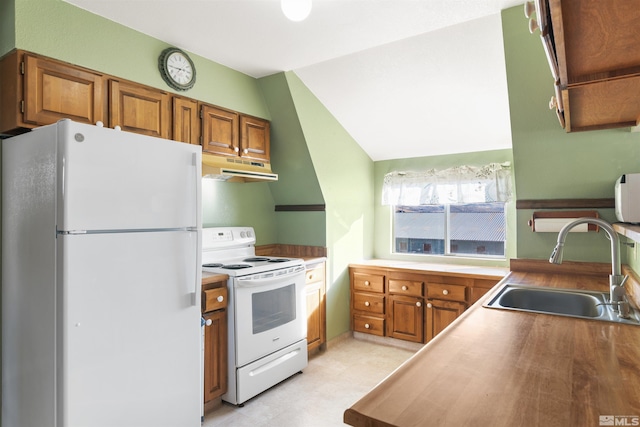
(214, 299)
(368, 324)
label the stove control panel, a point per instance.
(224, 237)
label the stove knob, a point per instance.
(243, 234)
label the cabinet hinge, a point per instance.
(201, 115)
(22, 106)
(22, 68)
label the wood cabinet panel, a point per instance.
(368, 324)
(215, 355)
(186, 121)
(139, 109)
(439, 315)
(255, 136)
(368, 282)
(370, 303)
(447, 292)
(406, 318)
(220, 131)
(315, 289)
(55, 91)
(406, 287)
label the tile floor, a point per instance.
(334, 380)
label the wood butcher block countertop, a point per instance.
(495, 367)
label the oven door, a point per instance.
(270, 312)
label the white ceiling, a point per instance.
(405, 78)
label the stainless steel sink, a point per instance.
(563, 302)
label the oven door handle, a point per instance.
(250, 282)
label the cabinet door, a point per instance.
(186, 126)
(315, 315)
(440, 314)
(55, 91)
(220, 131)
(139, 109)
(405, 318)
(255, 138)
(215, 355)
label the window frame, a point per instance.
(447, 236)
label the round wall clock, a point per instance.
(177, 69)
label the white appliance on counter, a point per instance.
(627, 198)
(101, 277)
(266, 313)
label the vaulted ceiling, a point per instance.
(405, 78)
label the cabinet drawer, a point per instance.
(368, 282)
(368, 302)
(316, 274)
(405, 287)
(447, 292)
(368, 325)
(214, 299)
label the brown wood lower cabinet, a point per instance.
(440, 314)
(315, 293)
(214, 304)
(215, 355)
(408, 304)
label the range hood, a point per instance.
(236, 169)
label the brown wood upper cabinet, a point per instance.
(140, 109)
(228, 133)
(37, 91)
(593, 48)
(186, 122)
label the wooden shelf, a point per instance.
(628, 230)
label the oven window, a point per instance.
(274, 308)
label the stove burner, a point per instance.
(212, 265)
(236, 266)
(279, 260)
(256, 259)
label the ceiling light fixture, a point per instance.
(296, 10)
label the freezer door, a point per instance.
(115, 180)
(129, 345)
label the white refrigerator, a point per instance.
(101, 277)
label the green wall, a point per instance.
(383, 214)
(7, 26)
(345, 174)
(550, 163)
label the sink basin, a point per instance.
(562, 302)
(552, 301)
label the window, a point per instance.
(456, 211)
(472, 229)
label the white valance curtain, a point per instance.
(461, 184)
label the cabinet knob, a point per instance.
(418, 304)
(220, 298)
(367, 326)
(367, 304)
(208, 322)
(404, 288)
(245, 151)
(445, 292)
(429, 305)
(529, 8)
(236, 149)
(366, 283)
(533, 25)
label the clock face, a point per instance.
(176, 69)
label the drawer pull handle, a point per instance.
(220, 298)
(208, 322)
(445, 292)
(418, 304)
(367, 326)
(429, 305)
(367, 304)
(366, 283)
(404, 288)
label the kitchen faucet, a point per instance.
(617, 291)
